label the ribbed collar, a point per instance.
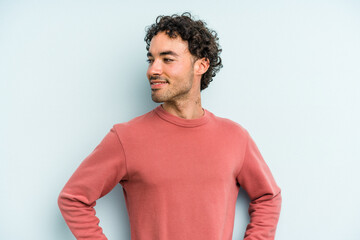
(182, 121)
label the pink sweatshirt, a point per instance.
(180, 180)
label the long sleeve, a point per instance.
(264, 209)
(96, 176)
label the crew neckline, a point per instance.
(162, 113)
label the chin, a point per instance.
(157, 100)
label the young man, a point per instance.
(180, 166)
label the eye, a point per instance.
(149, 60)
(168, 60)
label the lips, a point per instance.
(158, 84)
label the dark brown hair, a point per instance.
(202, 41)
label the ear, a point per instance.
(201, 66)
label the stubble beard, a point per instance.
(172, 92)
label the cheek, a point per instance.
(177, 70)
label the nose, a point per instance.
(154, 68)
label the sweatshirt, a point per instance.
(180, 179)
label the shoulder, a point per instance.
(230, 126)
(136, 122)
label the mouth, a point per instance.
(158, 84)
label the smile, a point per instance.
(158, 85)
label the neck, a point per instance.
(191, 109)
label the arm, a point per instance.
(96, 176)
(264, 209)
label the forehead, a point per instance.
(161, 42)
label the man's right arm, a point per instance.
(96, 176)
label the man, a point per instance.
(180, 166)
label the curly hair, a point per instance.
(202, 41)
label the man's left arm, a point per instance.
(265, 195)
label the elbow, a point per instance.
(60, 201)
(275, 196)
(279, 200)
(64, 200)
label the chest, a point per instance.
(183, 160)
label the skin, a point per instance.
(170, 60)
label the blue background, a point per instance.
(69, 70)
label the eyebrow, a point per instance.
(149, 54)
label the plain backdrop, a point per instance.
(69, 70)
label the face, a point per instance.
(171, 68)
